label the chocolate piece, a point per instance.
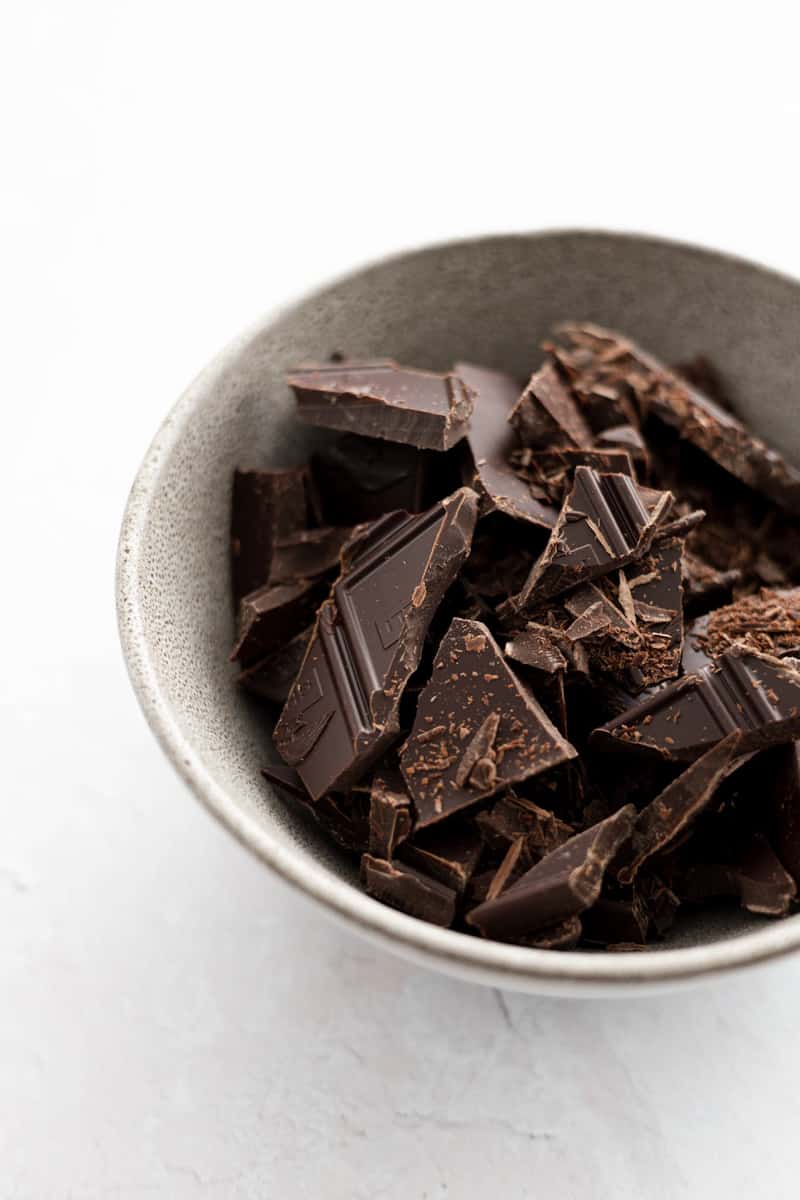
(654, 587)
(512, 865)
(514, 819)
(273, 615)
(561, 885)
(546, 413)
(477, 728)
(390, 817)
(704, 586)
(616, 921)
(384, 400)
(537, 646)
(664, 819)
(564, 936)
(629, 438)
(412, 892)
(448, 852)
(755, 694)
(360, 479)
(695, 417)
(342, 816)
(308, 554)
(266, 505)
(602, 526)
(490, 442)
(749, 869)
(343, 709)
(271, 677)
(782, 766)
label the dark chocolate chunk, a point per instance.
(477, 728)
(749, 869)
(629, 438)
(603, 526)
(384, 400)
(654, 586)
(704, 586)
(753, 693)
(664, 819)
(266, 505)
(343, 816)
(360, 479)
(515, 819)
(390, 816)
(343, 709)
(561, 885)
(273, 615)
(308, 553)
(409, 890)
(448, 852)
(564, 936)
(272, 677)
(537, 646)
(695, 417)
(546, 413)
(490, 441)
(616, 920)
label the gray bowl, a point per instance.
(489, 300)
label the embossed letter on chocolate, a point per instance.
(342, 711)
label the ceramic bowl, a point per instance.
(490, 300)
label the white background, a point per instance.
(174, 1023)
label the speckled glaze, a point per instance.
(489, 301)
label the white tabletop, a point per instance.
(173, 1022)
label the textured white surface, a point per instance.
(174, 1023)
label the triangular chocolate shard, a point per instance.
(342, 711)
(477, 728)
(753, 694)
(560, 886)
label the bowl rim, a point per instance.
(487, 962)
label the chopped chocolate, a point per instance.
(308, 553)
(755, 694)
(603, 526)
(358, 479)
(272, 677)
(390, 816)
(664, 819)
(383, 400)
(490, 442)
(695, 417)
(546, 413)
(274, 615)
(635, 550)
(477, 728)
(266, 505)
(409, 890)
(562, 885)
(343, 709)
(448, 852)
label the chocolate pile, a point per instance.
(536, 649)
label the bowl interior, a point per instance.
(489, 301)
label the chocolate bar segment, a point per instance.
(490, 442)
(343, 709)
(409, 890)
(384, 400)
(753, 694)
(362, 478)
(271, 677)
(266, 506)
(477, 728)
(603, 525)
(447, 852)
(560, 886)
